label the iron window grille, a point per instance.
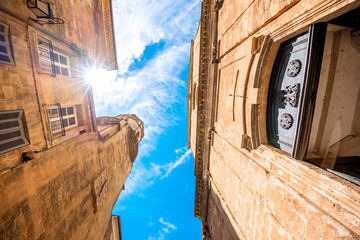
(61, 119)
(46, 58)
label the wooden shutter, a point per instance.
(12, 135)
(6, 55)
(46, 56)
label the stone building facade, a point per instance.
(61, 168)
(273, 108)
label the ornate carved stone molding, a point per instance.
(294, 68)
(291, 95)
(286, 121)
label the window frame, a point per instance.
(60, 65)
(47, 46)
(62, 118)
(7, 44)
(317, 33)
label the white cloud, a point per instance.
(165, 229)
(180, 161)
(139, 23)
(179, 150)
(142, 177)
(167, 224)
(151, 91)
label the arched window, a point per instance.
(313, 100)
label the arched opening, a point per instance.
(313, 102)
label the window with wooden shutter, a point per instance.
(12, 135)
(46, 58)
(62, 118)
(6, 56)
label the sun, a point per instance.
(99, 78)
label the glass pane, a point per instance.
(64, 71)
(7, 125)
(3, 49)
(70, 110)
(9, 135)
(63, 111)
(2, 38)
(2, 28)
(57, 69)
(56, 58)
(63, 60)
(53, 113)
(65, 122)
(72, 121)
(4, 58)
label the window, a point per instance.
(46, 56)
(62, 64)
(12, 135)
(51, 61)
(6, 56)
(313, 102)
(62, 118)
(293, 83)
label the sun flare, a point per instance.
(99, 78)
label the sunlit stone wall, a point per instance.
(260, 193)
(60, 187)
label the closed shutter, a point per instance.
(12, 134)
(6, 56)
(46, 56)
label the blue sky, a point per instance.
(153, 46)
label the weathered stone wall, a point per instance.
(69, 187)
(25, 87)
(84, 23)
(264, 194)
(51, 196)
(17, 90)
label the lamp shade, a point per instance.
(40, 8)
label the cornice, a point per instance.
(201, 136)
